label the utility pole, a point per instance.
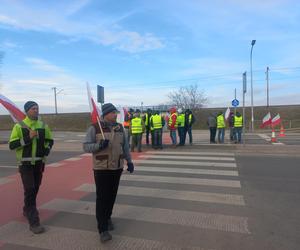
(244, 92)
(267, 78)
(251, 75)
(235, 99)
(55, 94)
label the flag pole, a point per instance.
(98, 120)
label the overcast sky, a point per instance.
(141, 50)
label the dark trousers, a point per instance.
(107, 184)
(136, 141)
(157, 138)
(31, 176)
(213, 131)
(188, 130)
(148, 132)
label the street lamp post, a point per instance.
(252, 115)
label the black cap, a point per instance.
(107, 108)
(28, 105)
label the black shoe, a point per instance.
(37, 229)
(105, 236)
(110, 225)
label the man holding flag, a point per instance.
(107, 142)
(32, 140)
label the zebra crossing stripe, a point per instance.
(230, 199)
(75, 239)
(157, 215)
(1, 166)
(5, 180)
(189, 153)
(181, 157)
(73, 159)
(55, 164)
(182, 180)
(187, 171)
(188, 163)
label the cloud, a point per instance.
(103, 30)
(43, 65)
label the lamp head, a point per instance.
(253, 42)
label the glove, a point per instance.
(47, 151)
(130, 167)
(103, 144)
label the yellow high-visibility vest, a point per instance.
(238, 121)
(136, 125)
(220, 121)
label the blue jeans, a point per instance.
(238, 134)
(173, 137)
(181, 134)
(221, 134)
(157, 134)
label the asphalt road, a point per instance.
(205, 196)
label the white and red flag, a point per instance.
(16, 114)
(267, 120)
(95, 111)
(276, 120)
(227, 113)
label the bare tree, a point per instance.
(188, 97)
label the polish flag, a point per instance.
(95, 111)
(227, 113)
(276, 120)
(16, 114)
(267, 120)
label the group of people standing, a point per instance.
(217, 122)
(152, 124)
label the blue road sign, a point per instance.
(235, 102)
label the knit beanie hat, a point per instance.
(28, 105)
(107, 108)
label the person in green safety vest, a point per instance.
(238, 127)
(137, 128)
(221, 127)
(181, 125)
(32, 140)
(189, 121)
(147, 124)
(157, 123)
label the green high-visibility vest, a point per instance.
(181, 120)
(156, 122)
(190, 119)
(30, 150)
(220, 121)
(238, 121)
(136, 125)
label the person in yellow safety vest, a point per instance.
(32, 141)
(238, 127)
(137, 128)
(126, 123)
(221, 127)
(181, 129)
(189, 121)
(147, 124)
(157, 123)
(172, 125)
